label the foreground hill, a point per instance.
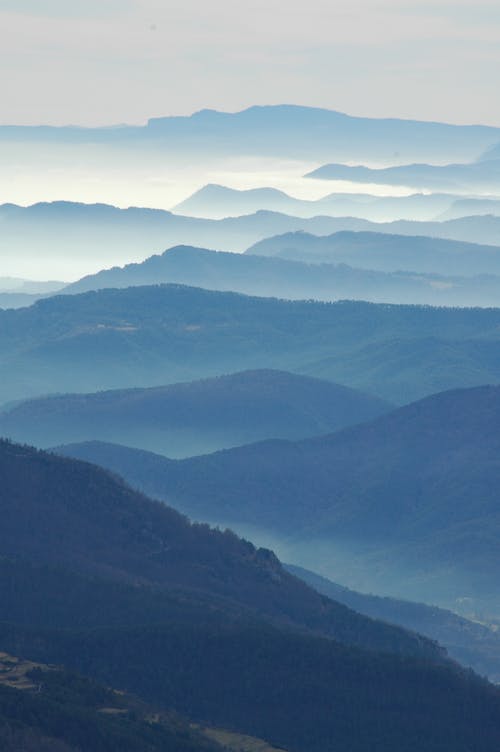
(471, 642)
(202, 646)
(405, 505)
(82, 518)
(197, 417)
(384, 252)
(44, 709)
(263, 275)
(151, 336)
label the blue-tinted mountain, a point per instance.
(18, 299)
(468, 207)
(197, 417)
(75, 239)
(28, 286)
(492, 153)
(405, 505)
(384, 252)
(156, 335)
(218, 201)
(16, 293)
(280, 130)
(255, 274)
(83, 520)
(71, 239)
(480, 176)
(240, 643)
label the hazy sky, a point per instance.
(108, 61)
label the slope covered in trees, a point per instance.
(254, 274)
(470, 642)
(150, 336)
(196, 417)
(384, 252)
(208, 626)
(406, 504)
(43, 709)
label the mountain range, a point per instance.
(218, 201)
(479, 176)
(470, 641)
(405, 505)
(159, 335)
(194, 418)
(65, 240)
(468, 207)
(16, 293)
(384, 252)
(127, 592)
(279, 130)
(260, 273)
(291, 380)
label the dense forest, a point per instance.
(151, 336)
(127, 592)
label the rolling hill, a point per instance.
(218, 201)
(480, 176)
(197, 417)
(156, 335)
(467, 207)
(69, 240)
(226, 635)
(384, 252)
(254, 274)
(405, 505)
(470, 642)
(85, 521)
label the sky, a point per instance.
(96, 62)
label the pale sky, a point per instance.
(110, 61)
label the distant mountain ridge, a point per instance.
(194, 418)
(384, 252)
(15, 293)
(75, 239)
(218, 201)
(477, 176)
(256, 273)
(282, 130)
(469, 207)
(155, 335)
